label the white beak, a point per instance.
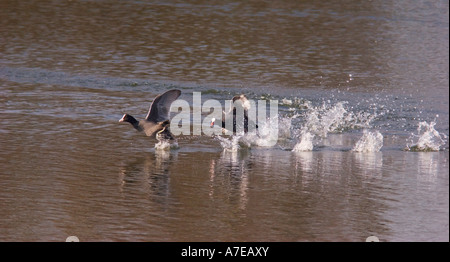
(122, 119)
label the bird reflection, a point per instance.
(428, 166)
(231, 173)
(371, 163)
(149, 175)
(304, 166)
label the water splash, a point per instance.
(165, 145)
(329, 118)
(369, 142)
(335, 118)
(305, 144)
(230, 144)
(295, 103)
(267, 135)
(270, 132)
(428, 139)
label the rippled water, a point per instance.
(363, 114)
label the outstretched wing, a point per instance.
(159, 110)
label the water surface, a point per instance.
(70, 69)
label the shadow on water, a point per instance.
(230, 173)
(243, 194)
(148, 175)
(341, 189)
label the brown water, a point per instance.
(70, 69)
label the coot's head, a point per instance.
(127, 118)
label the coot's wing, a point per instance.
(159, 110)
